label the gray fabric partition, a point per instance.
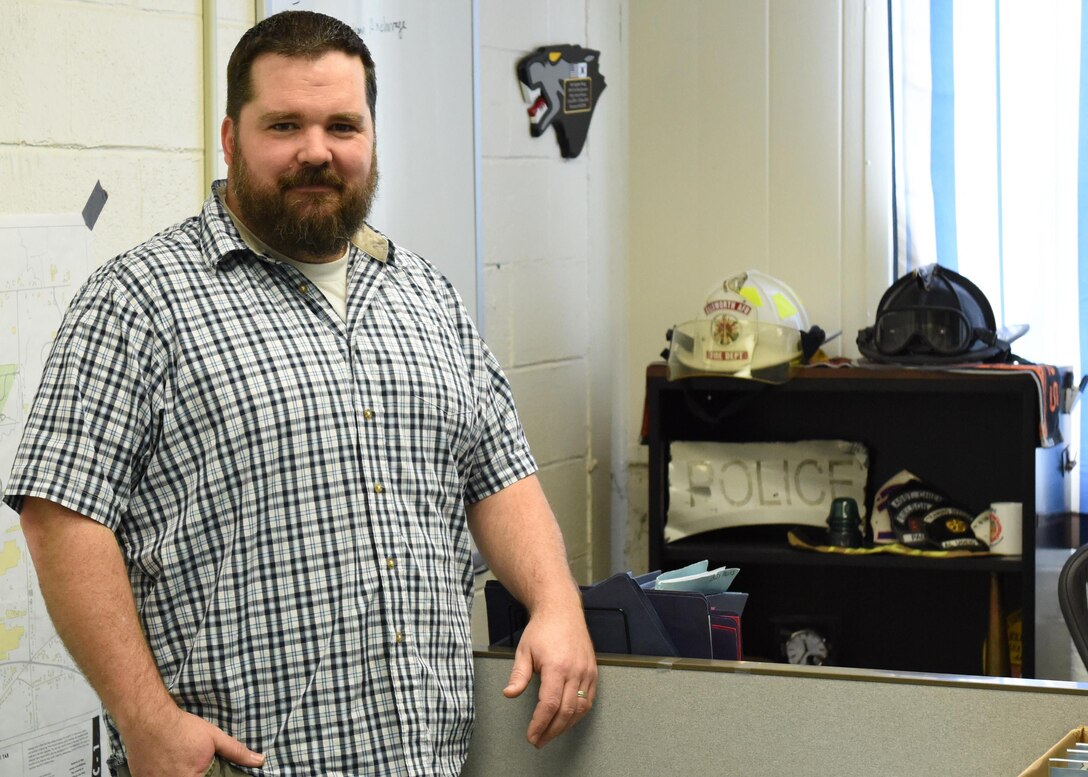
(681, 717)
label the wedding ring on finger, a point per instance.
(581, 694)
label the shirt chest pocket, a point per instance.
(426, 377)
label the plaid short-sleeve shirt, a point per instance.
(288, 488)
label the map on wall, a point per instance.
(50, 716)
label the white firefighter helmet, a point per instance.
(751, 327)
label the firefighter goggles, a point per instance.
(919, 330)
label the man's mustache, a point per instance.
(312, 176)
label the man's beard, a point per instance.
(303, 225)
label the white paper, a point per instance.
(713, 485)
(48, 712)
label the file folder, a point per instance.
(618, 613)
(725, 637)
(624, 614)
(644, 635)
(701, 625)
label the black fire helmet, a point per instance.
(933, 316)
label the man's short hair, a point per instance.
(303, 34)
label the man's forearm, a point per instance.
(518, 535)
(86, 589)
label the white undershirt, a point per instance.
(330, 277)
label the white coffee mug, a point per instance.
(1007, 528)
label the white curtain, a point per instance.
(991, 173)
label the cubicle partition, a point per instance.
(680, 717)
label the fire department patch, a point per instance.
(726, 329)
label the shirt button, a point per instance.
(303, 288)
(399, 638)
(391, 562)
(368, 414)
(378, 488)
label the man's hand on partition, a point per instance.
(555, 645)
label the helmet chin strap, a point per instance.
(985, 335)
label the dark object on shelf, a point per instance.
(924, 516)
(844, 524)
(1073, 599)
(933, 316)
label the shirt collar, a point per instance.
(224, 234)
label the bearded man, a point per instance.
(261, 442)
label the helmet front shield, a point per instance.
(752, 326)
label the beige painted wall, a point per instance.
(750, 148)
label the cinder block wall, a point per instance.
(555, 254)
(112, 91)
(553, 257)
(102, 91)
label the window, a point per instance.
(990, 116)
